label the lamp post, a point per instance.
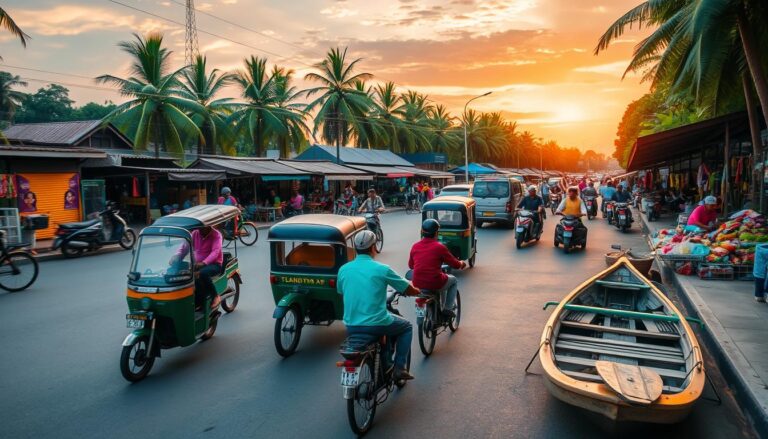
(466, 149)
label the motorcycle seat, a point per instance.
(356, 344)
(78, 225)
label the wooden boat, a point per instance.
(617, 346)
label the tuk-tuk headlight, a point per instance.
(146, 303)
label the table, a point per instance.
(269, 213)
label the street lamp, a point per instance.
(466, 154)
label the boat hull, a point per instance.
(597, 397)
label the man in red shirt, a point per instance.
(426, 261)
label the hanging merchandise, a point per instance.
(702, 177)
(739, 165)
(135, 193)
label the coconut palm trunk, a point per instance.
(753, 57)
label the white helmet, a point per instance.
(531, 188)
(364, 240)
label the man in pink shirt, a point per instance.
(206, 244)
(704, 216)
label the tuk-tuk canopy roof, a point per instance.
(316, 228)
(198, 216)
(450, 202)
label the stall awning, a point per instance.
(679, 142)
(179, 174)
(331, 171)
(44, 152)
(384, 171)
(436, 175)
(267, 169)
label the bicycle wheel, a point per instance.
(427, 334)
(18, 270)
(379, 240)
(362, 408)
(248, 233)
(454, 323)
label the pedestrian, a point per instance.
(759, 272)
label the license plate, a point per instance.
(489, 213)
(421, 311)
(520, 230)
(567, 234)
(136, 321)
(622, 217)
(350, 378)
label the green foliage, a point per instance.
(10, 99)
(48, 104)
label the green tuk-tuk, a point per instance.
(161, 288)
(306, 252)
(456, 216)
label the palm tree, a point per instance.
(443, 135)
(264, 117)
(414, 112)
(339, 104)
(154, 115)
(10, 99)
(202, 86)
(286, 94)
(7, 22)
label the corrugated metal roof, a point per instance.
(249, 166)
(322, 167)
(358, 156)
(33, 151)
(51, 133)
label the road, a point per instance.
(61, 343)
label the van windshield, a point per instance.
(491, 189)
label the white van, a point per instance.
(497, 198)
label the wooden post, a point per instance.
(149, 215)
(725, 180)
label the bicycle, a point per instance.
(247, 233)
(18, 268)
(412, 205)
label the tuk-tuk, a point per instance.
(306, 253)
(161, 289)
(456, 216)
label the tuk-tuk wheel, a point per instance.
(211, 327)
(230, 303)
(135, 361)
(288, 332)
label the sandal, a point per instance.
(216, 302)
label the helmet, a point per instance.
(226, 191)
(709, 199)
(364, 240)
(531, 188)
(430, 227)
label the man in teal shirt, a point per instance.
(363, 283)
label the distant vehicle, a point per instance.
(518, 177)
(460, 190)
(554, 180)
(497, 198)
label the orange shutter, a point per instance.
(50, 190)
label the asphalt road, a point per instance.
(61, 342)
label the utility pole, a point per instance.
(191, 48)
(466, 147)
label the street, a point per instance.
(61, 343)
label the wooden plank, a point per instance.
(622, 285)
(635, 332)
(618, 352)
(597, 379)
(591, 363)
(597, 347)
(650, 325)
(670, 349)
(633, 384)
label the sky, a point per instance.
(535, 56)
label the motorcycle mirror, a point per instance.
(134, 276)
(616, 246)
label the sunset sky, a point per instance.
(535, 55)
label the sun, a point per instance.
(568, 113)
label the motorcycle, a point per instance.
(109, 228)
(554, 201)
(526, 229)
(609, 208)
(591, 204)
(367, 375)
(654, 209)
(374, 225)
(570, 234)
(622, 216)
(430, 320)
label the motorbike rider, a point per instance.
(574, 206)
(363, 284)
(427, 259)
(372, 204)
(622, 196)
(606, 193)
(534, 203)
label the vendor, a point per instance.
(705, 216)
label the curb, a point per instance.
(731, 362)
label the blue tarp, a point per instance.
(474, 169)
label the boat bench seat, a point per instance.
(621, 351)
(598, 379)
(632, 332)
(579, 361)
(669, 350)
(622, 285)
